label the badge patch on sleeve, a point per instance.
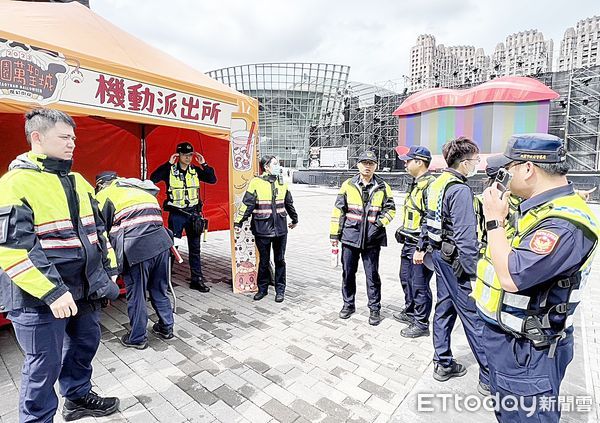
(543, 241)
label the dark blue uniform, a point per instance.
(415, 280)
(453, 292)
(516, 366)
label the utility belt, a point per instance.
(449, 253)
(199, 222)
(404, 237)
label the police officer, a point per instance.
(54, 250)
(269, 202)
(142, 246)
(529, 286)
(415, 278)
(183, 203)
(362, 209)
(452, 234)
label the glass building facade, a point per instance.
(295, 100)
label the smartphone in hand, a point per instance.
(502, 179)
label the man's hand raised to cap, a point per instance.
(199, 157)
(173, 158)
(64, 306)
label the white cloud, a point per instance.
(374, 38)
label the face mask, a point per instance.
(472, 172)
(276, 170)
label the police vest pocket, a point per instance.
(282, 214)
(524, 385)
(351, 223)
(261, 216)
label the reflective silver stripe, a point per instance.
(259, 211)
(137, 207)
(516, 300)
(58, 225)
(375, 208)
(53, 243)
(88, 220)
(575, 296)
(136, 221)
(569, 320)
(280, 210)
(486, 294)
(93, 237)
(434, 223)
(513, 322)
(434, 237)
(18, 268)
(353, 216)
(372, 219)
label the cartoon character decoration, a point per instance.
(245, 260)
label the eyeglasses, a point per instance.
(514, 164)
(478, 160)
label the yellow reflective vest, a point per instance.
(435, 198)
(51, 235)
(359, 220)
(515, 312)
(133, 220)
(415, 208)
(183, 187)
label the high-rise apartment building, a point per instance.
(579, 47)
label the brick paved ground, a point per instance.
(236, 360)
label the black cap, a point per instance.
(106, 176)
(536, 148)
(185, 148)
(494, 164)
(368, 155)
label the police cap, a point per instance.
(417, 152)
(368, 155)
(106, 176)
(536, 148)
(185, 148)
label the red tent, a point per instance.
(132, 103)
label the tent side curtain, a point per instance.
(161, 143)
(101, 145)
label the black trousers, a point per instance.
(370, 259)
(263, 244)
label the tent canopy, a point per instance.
(132, 102)
(88, 42)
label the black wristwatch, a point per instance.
(490, 225)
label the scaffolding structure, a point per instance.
(367, 123)
(583, 118)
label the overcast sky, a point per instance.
(373, 37)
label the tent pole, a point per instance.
(143, 162)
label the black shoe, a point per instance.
(157, 329)
(484, 389)
(374, 318)
(90, 405)
(259, 296)
(199, 286)
(279, 298)
(346, 312)
(125, 342)
(442, 374)
(414, 331)
(402, 317)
